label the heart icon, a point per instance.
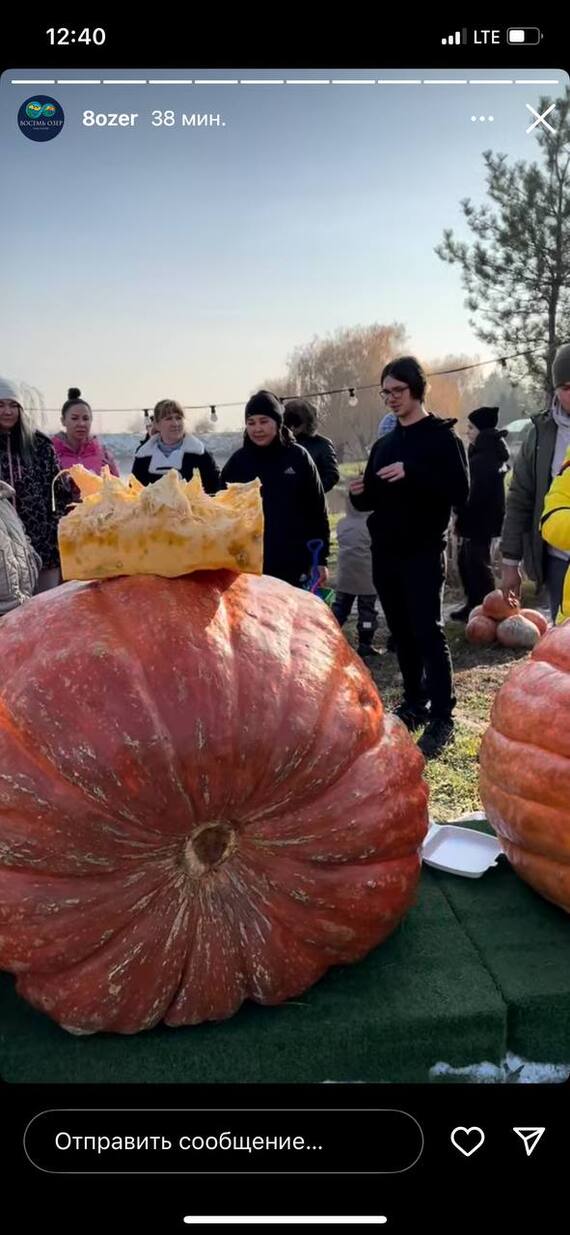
(467, 1140)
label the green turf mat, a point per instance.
(422, 997)
(524, 943)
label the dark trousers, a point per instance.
(555, 575)
(474, 562)
(367, 615)
(410, 590)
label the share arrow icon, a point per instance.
(530, 1138)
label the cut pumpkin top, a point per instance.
(170, 528)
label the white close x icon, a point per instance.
(540, 119)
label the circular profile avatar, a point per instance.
(40, 118)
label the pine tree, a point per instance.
(517, 271)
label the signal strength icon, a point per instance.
(450, 40)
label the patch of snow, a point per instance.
(511, 1071)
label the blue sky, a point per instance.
(144, 262)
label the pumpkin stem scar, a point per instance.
(210, 845)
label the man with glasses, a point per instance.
(539, 460)
(415, 475)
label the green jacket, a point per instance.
(521, 539)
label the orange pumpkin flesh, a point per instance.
(204, 800)
(525, 767)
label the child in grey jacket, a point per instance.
(354, 578)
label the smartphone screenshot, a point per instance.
(284, 637)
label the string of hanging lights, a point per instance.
(351, 391)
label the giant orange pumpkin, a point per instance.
(202, 800)
(525, 767)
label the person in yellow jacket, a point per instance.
(555, 527)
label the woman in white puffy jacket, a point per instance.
(19, 563)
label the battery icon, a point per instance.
(524, 34)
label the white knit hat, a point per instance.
(10, 390)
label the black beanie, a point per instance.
(484, 417)
(264, 403)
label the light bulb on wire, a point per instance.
(213, 414)
(352, 399)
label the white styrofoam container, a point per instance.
(460, 851)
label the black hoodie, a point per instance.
(298, 412)
(323, 454)
(412, 515)
(482, 516)
(294, 506)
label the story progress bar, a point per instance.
(279, 81)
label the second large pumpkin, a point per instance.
(525, 767)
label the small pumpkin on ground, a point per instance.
(495, 606)
(504, 621)
(525, 767)
(481, 629)
(517, 632)
(539, 620)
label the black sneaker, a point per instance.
(412, 716)
(437, 735)
(367, 652)
(460, 615)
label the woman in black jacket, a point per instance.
(294, 506)
(481, 519)
(171, 447)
